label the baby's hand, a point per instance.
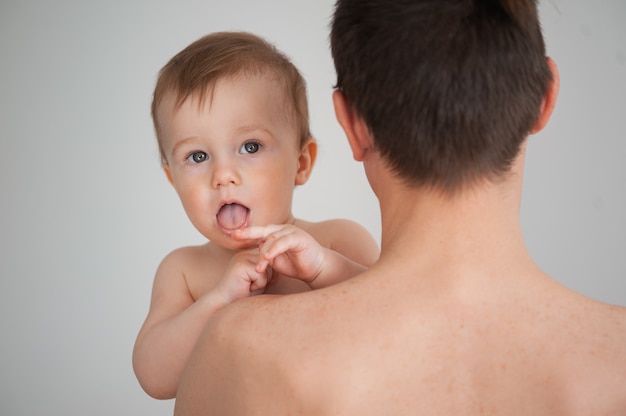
(287, 249)
(242, 277)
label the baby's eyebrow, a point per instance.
(183, 142)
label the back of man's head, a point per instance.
(448, 88)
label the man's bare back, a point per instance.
(437, 100)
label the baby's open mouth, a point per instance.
(232, 216)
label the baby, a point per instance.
(231, 119)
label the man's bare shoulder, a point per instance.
(238, 366)
(598, 323)
(304, 354)
(607, 330)
(595, 360)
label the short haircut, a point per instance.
(449, 89)
(196, 69)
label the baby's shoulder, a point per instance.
(186, 254)
(344, 236)
(185, 260)
(196, 266)
(332, 228)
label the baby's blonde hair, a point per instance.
(196, 69)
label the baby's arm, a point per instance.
(175, 321)
(295, 253)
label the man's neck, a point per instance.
(476, 232)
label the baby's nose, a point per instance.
(224, 175)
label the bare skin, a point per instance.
(185, 295)
(237, 148)
(455, 318)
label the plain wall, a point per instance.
(87, 214)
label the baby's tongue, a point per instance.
(232, 216)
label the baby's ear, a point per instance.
(168, 173)
(549, 99)
(306, 161)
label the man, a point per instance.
(437, 98)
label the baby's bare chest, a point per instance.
(202, 270)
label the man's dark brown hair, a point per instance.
(448, 88)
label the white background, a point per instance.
(87, 215)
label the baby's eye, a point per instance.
(197, 157)
(250, 147)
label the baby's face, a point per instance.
(235, 158)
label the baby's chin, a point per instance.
(227, 241)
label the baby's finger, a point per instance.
(257, 292)
(240, 235)
(261, 264)
(258, 283)
(279, 243)
(258, 232)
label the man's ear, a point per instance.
(306, 161)
(168, 173)
(357, 132)
(549, 99)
